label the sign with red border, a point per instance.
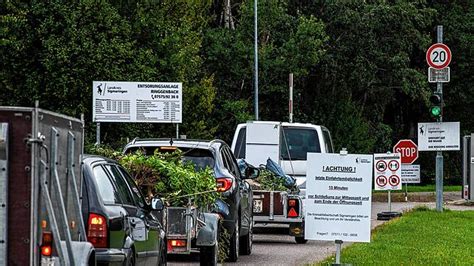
(438, 56)
(407, 149)
(387, 171)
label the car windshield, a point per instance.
(201, 158)
(297, 142)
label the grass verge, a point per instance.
(420, 237)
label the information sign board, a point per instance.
(387, 171)
(411, 173)
(339, 191)
(441, 136)
(439, 75)
(145, 102)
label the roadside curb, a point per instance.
(416, 197)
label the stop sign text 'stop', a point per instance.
(408, 150)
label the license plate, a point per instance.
(257, 206)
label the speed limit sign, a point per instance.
(438, 56)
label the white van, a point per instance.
(285, 143)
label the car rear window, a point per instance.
(297, 142)
(201, 158)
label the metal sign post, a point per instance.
(338, 251)
(97, 134)
(290, 104)
(439, 154)
(256, 59)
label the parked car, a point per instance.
(119, 222)
(237, 194)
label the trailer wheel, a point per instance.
(247, 241)
(209, 256)
(300, 240)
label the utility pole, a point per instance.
(256, 61)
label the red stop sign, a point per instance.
(408, 149)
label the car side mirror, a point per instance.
(157, 204)
(252, 172)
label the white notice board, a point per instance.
(143, 102)
(411, 173)
(443, 136)
(387, 171)
(339, 192)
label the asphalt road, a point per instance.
(275, 247)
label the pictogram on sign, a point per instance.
(381, 166)
(394, 180)
(381, 181)
(393, 165)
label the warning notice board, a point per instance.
(338, 197)
(146, 102)
(387, 171)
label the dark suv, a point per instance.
(119, 223)
(237, 194)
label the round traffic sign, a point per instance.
(381, 166)
(381, 181)
(438, 56)
(393, 165)
(407, 149)
(394, 180)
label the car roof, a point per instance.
(181, 143)
(286, 124)
(92, 158)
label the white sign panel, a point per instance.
(411, 173)
(444, 136)
(439, 75)
(143, 102)
(339, 191)
(388, 172)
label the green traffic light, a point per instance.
(435, 111)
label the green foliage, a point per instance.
(441, 239)
(359, 68)
(168, 176)
(267, 180)
(172, 179)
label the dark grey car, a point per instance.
(237, 194)
(119, 222)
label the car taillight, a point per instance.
(176, 243)
(223, 184)
(47, 244)
(293, 208)
(97, 230)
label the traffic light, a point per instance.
(436, 108)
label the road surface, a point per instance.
(280, 249)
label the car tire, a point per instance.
(246, 242)
(209, 256)
(300, 240)
(233, 253)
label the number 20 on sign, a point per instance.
(438, 56)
